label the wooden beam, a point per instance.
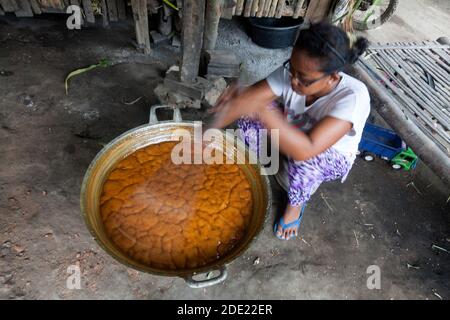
(273, 8)
(228, 9)
(112, 10)
(248, 7)
(267, 8)
(104, 14)
(140, 16)
(7, 5)
(122, 9)
(298, 8)
(35, 6)
(261, 5)
(318, 10)
(25, 9)
(88, 12)
(239, 7)
(280, 8)
(192, 38)
(254, 8)
(212, 17)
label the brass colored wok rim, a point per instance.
(184, 273)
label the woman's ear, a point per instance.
(334, 76)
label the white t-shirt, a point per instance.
(349, 101)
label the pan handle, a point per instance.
(197, 284)
(176, 114)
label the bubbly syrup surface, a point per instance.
(174, 217)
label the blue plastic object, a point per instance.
(380, 141)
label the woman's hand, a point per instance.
(230, 93)
(238, 101)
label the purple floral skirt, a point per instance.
(304, 176)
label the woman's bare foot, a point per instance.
(290, 215)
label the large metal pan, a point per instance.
(153, 133)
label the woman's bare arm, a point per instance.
(235, 103)
(292, 142)
(303, 146)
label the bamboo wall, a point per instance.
(114, 10)
(111, 10)
(270, 8)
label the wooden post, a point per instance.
(121, 9)
(112, 10)
(35, 6)
(192, 38)
(89, 13)
(105, 14)
(273, 8)
(318, 10)
(140, 16)
(280, 8)
(298, 8)
(248, 7)
(25, 9)
(9, 5)
(239, 7)
(212, 17)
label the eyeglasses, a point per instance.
(305, 83)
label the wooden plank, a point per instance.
(8, 6)
(105, 20)
(25, 9)
(227, 9)
(267, 8)
(254, 8)
(280, 8)
(192, 38)
(112, 10)
(140, 15)
(212, 17)
(248, 7)
(88, 11)
(239, 7)
(122, 9)
(298, 8)
(318, 10)
(273, 8)
(35, 6)
(261, 5)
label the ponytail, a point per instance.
(358, 48)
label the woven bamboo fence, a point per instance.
(270, 8)
(111, 10)
(115, 9)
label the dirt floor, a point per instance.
(377, 217)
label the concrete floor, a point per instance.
(377, 217)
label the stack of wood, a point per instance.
(111, 10)
(269, 8)
(222, 63)
(201, 91)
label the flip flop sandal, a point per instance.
(284, 226)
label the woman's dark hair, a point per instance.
(331, 45)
